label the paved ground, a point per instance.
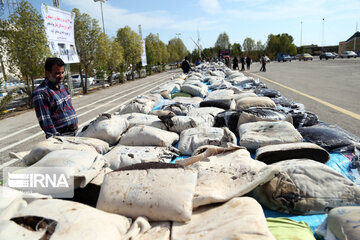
(329, 88)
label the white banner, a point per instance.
(143, 55)
(59, 25)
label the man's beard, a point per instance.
(55, 81)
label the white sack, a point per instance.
(62, 142)
(106, 127)
(258, 134)
(73, 221)
(220, 94)
(148, 136)
(239, 218)
(193, 138)
(121, 156)
(153, 190)
(140, 105)
(135, 119)
(195, 89)
(180, 123)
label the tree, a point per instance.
(176, 49)
(116, 58)
(281, 43)
(236, 50)
(156, 51)
(222, 41)
(132, 45)
(26, 43)
(102, 55)
(87, 33)
(249, 45)
(259, 46)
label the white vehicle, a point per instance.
(38, 81)
(348, 54)
(76, 80)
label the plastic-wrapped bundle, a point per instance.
(263, 114)
(228, 119)
(304, 119)
(219, 103)
(266, 92)
(330, 137)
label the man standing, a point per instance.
(235, 63)
(242, 60)
(185, 66)
(52, 102)
(263, 63)
(248, 62)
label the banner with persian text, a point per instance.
(59, 25)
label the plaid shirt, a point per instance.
(53, 108)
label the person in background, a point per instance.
(227, 62)
(185, 66)
(52, 102)
(242, 60)
(198, 62)
(248, 62)
(263, 63)
(235, 63)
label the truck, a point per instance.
(283, 57)
(224, 53)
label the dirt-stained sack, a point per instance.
(135, 119)
(258, 134)
(143, 190)
(180, 123)
(106, 127)
(249, 102)
(59, 219)
(139, 105)
(305, 186)
(121, 156)
(239, 218)
(193, 138)
(148, 136)
(62, 142)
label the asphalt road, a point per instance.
(328, 88)
(20, 133)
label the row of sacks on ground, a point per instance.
(215, 194)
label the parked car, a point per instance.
(305, 57)
(335, 54)
(296, 57)
(348, 54)
(283, 57)
(38, 81)
(326, 55)
(76, 80)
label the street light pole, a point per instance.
(301, 34)
(323, 26)
(177, 34)
(102, 15)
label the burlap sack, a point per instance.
(59, 219)
(208, 113)
(249, 102)
(135, 119)
(242, 95)
(279, 152)
(62, 142)
(143, 190)
(121, 156)
(193, 138)
(239, 218)
(227, 173)
(180, 123)
(148, 136)
(106, 127)
(258, 134)
(139, 105)
(307, 187)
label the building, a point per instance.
(352, 44)
(316, 50)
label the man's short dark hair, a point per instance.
(53, 61)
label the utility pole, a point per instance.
(177, 34)
(301, 33)
(140, 32)
(323, 31)
(102, 15)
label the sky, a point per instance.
(238, 18)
